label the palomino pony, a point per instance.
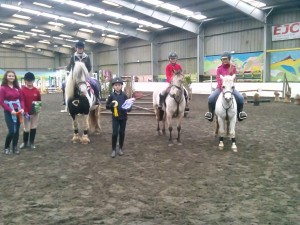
(174, 106)
(81, 99)
(226, 112)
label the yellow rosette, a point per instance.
(115, 108)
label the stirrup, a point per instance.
(242, 116)
(209, 116)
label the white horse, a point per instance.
(226, 111)
(81, 99)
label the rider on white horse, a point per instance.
(81, 56)
(226, 69)
(172, 66)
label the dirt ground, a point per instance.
(153, 184)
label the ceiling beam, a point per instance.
(170, 19)
(247, 9)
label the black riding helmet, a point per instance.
(29, 76)
(79, 44)
(117, 80)
(226, 55)
(173, 55)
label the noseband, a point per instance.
(231, 99)
(173, 95)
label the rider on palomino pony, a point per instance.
(172, 66)
(226, 69)
(81, 56)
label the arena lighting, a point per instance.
(38, 31)
(110, 3)
(56, 24)
(95, 9)
(6, 25)
(113, 36)
(169, 7)
(90, 41)
(58, 38)
(66, 36)
(42, 4)
(23, 36)
(112, 22)
(143, 30)
(33, 34)
(22, 17)
(81, 14)
(76, 4)
(44, 35)
(29, 46)
(67, 46)
(19, 31)
(86, 30)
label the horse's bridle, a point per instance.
(173, 96)
(231, 93)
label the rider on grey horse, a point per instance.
(226, 69)
(172, 66)
(81, 56)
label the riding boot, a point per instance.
(32, 137)
(187, 101)
(241, 115)
(161, 101)
(25, 140)
(210, 115)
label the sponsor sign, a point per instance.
(286, 31)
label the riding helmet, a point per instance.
(29, 76)
(117, 80)
(173, 55)
(79, 44)
(226, 55)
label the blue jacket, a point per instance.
(120, 98)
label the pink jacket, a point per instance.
(225, 70)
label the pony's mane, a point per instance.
(79, 72)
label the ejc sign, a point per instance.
(286, 31)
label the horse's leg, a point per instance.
(169, 122)
(178, 130)
(232, 134)
(217, 126)
(76, 137)
(98, 115)
(85, 138)
(221, 131)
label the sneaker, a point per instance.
(23, 145)
(242, 116)
(16, 151)
(32, 146)
(209, 116)
(6, 151)
(113, 154)
(121, 152)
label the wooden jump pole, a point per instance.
(147, 109)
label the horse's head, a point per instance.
(177, 79)
(228, 86)
(80, 74)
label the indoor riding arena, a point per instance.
(197, 183)
(70, 62)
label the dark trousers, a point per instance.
(118, 127)
(13, 130)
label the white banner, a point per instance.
(286, 31)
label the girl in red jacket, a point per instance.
(32, 104)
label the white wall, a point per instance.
(205, 88)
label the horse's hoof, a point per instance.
(234, 147)
(221, 144)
